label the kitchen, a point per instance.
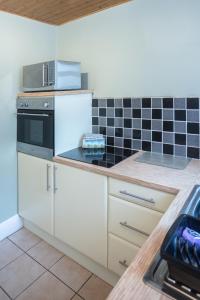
(143, 95)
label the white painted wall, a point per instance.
(141, 48)
(23, 42)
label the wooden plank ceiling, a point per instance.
(56, 12)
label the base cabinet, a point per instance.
(35, 191)
(81, 211)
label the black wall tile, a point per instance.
(193, 128)
(146, 102)
(156, 114)
(157, 136)
(110, 121)
(136, 113)
(168, 103)
(119, 132)
(102, 112)
(192, 103)
(146, 124)
(168, 126)
(127, 102)
(146, 146)
(168, 149)
(118, 112)
(127, 123)
(137, 134)
(95, 102)
(180, 139)
(180, 115)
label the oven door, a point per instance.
(35, 131)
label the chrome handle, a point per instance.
(47, 68)
(137, 197)
(123, 263)
(35, 115)
(132, 228)
(48, 185)
(43, 67)
(54, 179)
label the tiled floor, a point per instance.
(30, 269)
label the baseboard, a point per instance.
(83, 260)
(10, 226)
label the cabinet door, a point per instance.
(35, 191)
(81, 211)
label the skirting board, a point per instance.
(83, 260)
(10, 226)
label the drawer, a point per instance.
(120, 254)
(131, 221)
(151, 198)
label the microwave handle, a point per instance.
(43, 70)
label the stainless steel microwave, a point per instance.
(52, 75)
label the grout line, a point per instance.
(5, 292)
(30, 284)
(84, 283)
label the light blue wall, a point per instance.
(22, 42)
(140, 48)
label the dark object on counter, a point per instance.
(182, 253)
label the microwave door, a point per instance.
(35, 77)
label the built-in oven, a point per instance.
(35, 126)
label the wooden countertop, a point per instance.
(178, 182)
(54, 93)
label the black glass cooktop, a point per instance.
(107, 157)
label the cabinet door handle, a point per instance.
(54, 179)
(123, 263)
(132, 228)
(151, 200)
(48, 184)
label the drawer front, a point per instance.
(131, 221)
(153, 199)
(120, 254)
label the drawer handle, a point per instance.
(132, 228)
(123, 263)
(137, 197)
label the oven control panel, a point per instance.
(44, 103)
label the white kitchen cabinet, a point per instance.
(35, 191)
(81, 211)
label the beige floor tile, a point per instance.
(8, 252)
(3, 296)
(24, 239)
(71, 273)
(47, 287)
(19, 274)
(77, 297)
(95, 288)
(45, 254)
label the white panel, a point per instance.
(81, 211)
(73, 118)
(35, 197)
(119, 252)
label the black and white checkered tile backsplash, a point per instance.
(163, 125)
